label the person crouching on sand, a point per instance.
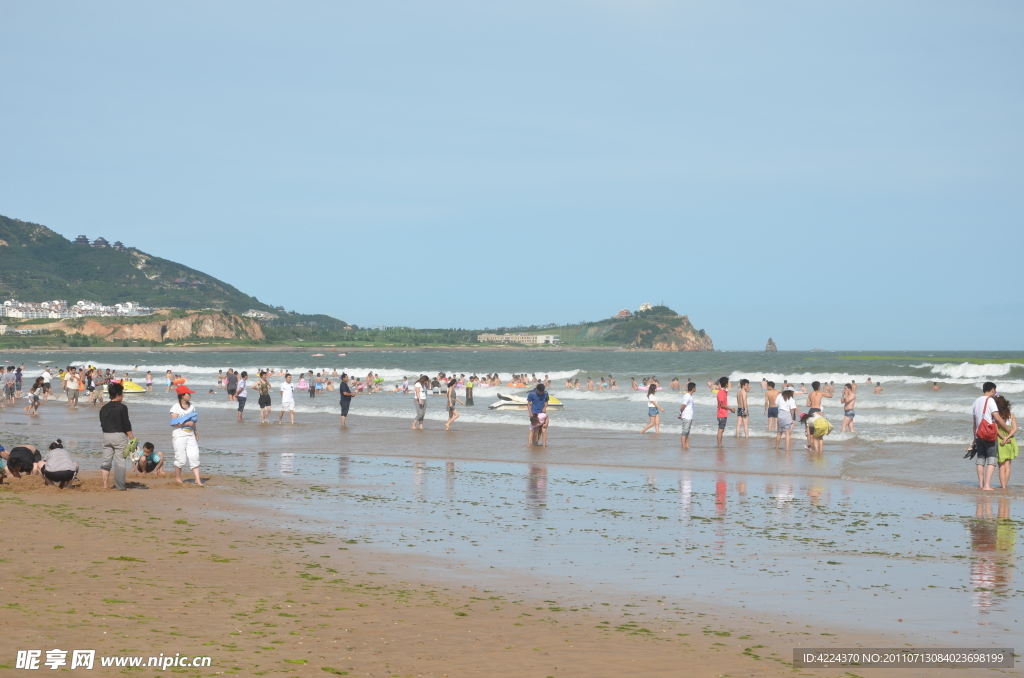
(58, 467)
(150, 461)
(22, 459)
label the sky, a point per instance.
(834, 175)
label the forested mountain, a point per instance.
(38, 264)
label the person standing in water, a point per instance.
(723, 409)
(287, 399)
(742, 413)
(787, 415)
(1007, 448)
(263, 388)
(986, 437)
(453, 413)
(654, 410)
(849, 403)
(419, 394)
(537, 405)
(469, 390)
(769, 407)
(346, 398)
(686, 413)
(242, 394)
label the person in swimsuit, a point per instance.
(814, 404)
(453, 398)
(149, 382)
(742, 413)
(849, 402)
(769, 407)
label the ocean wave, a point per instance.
(970, 371)
(924, 440)
(914, 405)
(889, 419)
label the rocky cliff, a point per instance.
(165, 328)
(771, 345)
(658, 328)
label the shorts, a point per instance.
(288, 405)
(186, 450)
(58, 476)
(232, 391)
(785, 421)
(345, 403)
(988, 452)
(241, 403)
(421, 410)
(451, 410)
(264, 401)
(849, 413)
(151, 465)
(652, 411)
(813, 410)
(773, 413)
(742, 412)
(687, 423)
(722, 421)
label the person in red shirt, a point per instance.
(723, 407)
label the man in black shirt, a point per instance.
(346, 397)
(117, 431)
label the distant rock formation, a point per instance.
(162, 328)
(771, 346)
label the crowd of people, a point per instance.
(994, 426)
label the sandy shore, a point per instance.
(179, 569)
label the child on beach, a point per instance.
(150, 461)
(742, 413)
(686, 414)
(33, 397)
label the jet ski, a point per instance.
(516, 402)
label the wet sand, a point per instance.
(549, 565)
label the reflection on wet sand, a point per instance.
(993, 539)
(685, 495)
(537, 490)
(449, 480)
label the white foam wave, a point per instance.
(208, 374)
(970, 371)
(889, 419)
(913, 405)
(923, 440)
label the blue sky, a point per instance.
(842, 175)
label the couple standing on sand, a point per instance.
(994, 442)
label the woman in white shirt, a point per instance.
(184, 435)
(787, 415)
(419, 393)
(654, 410)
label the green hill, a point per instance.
(38, 264)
